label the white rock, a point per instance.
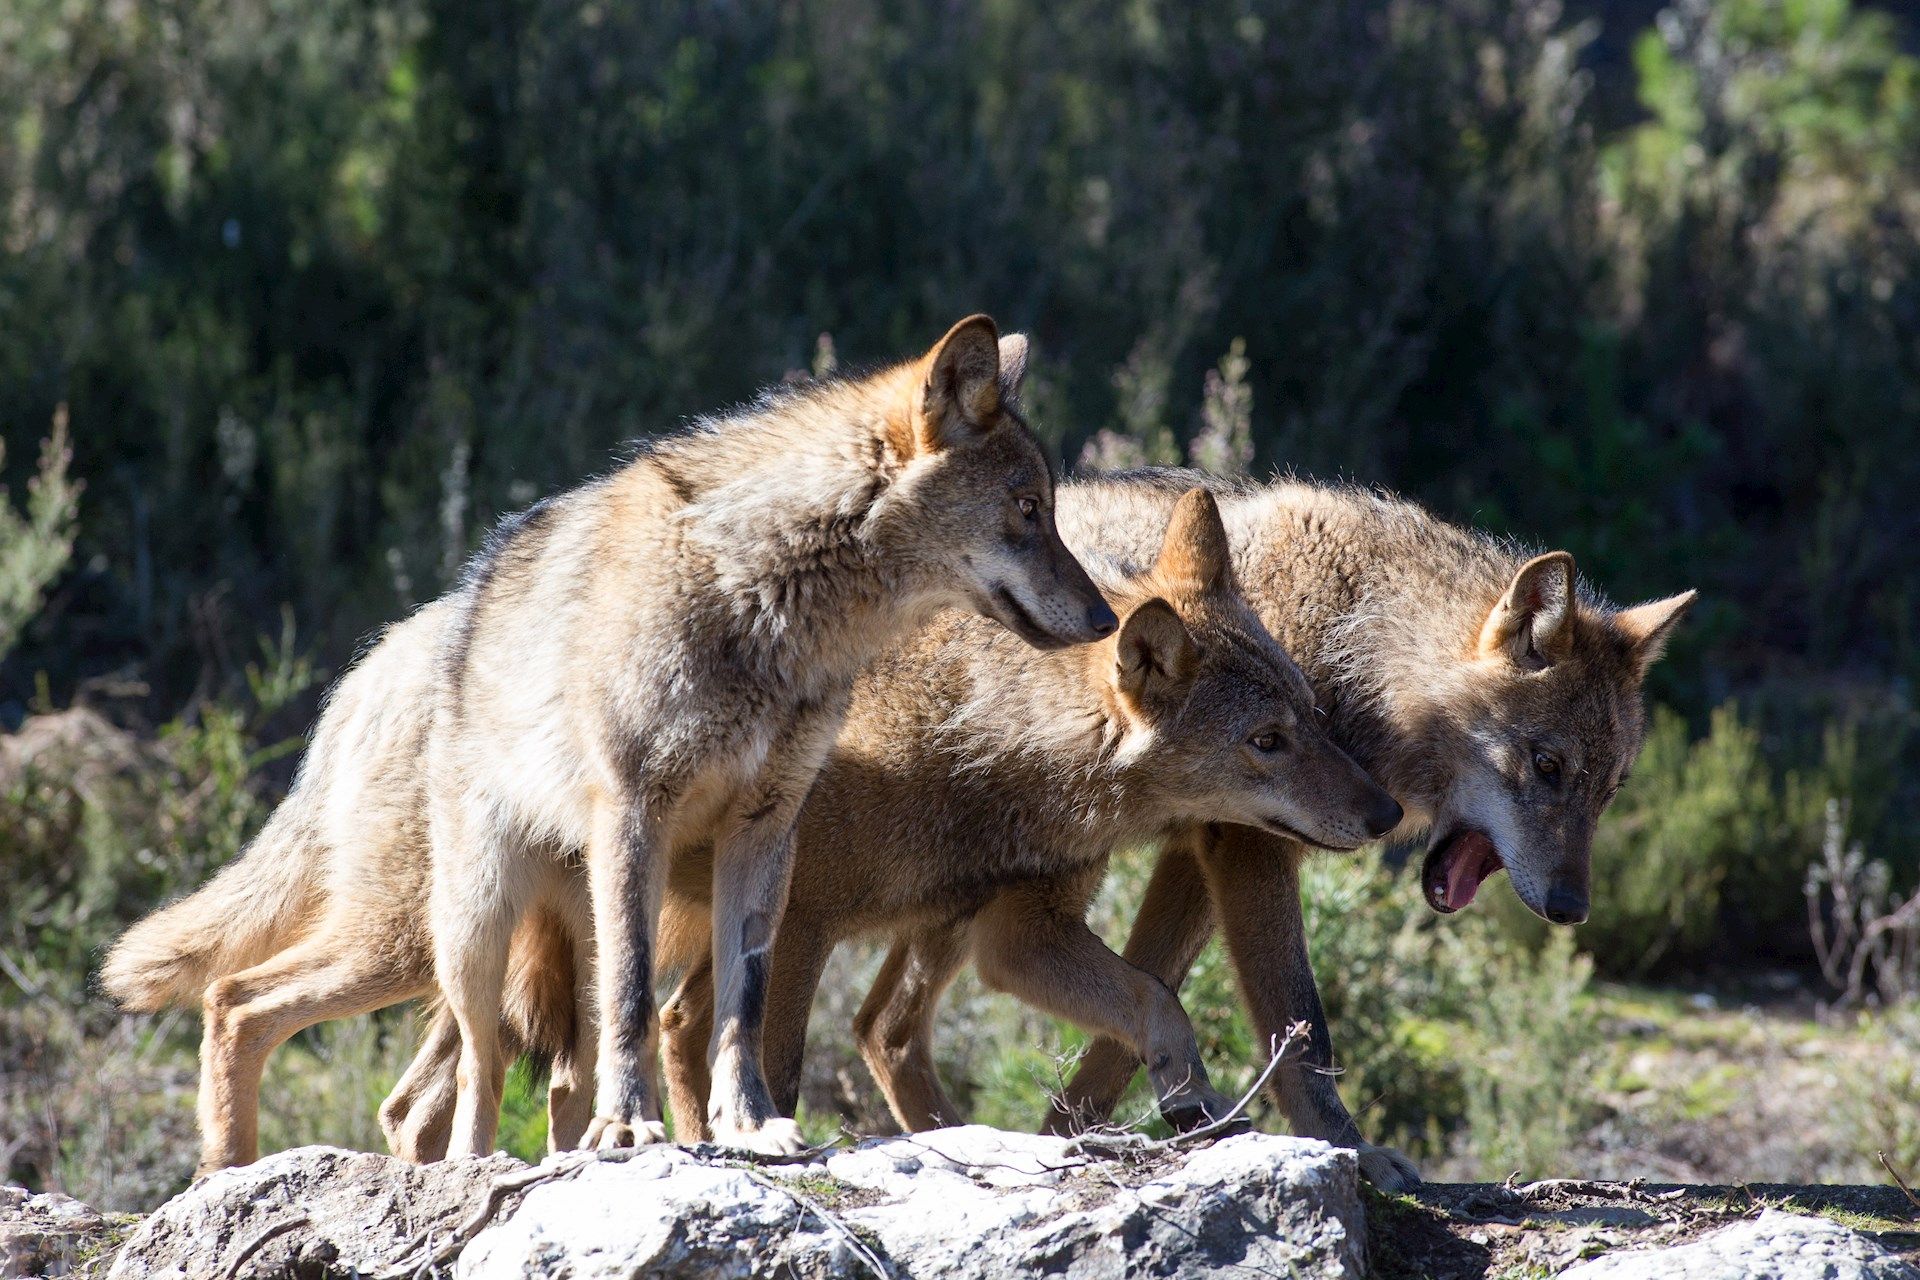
(1774, 1246)
(956, 1202)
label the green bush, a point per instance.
(36, 542)
(1881, 1098)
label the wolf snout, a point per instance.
(1383, 815)
(1101, 619)
(1565, 906)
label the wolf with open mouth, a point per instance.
(1495, 695)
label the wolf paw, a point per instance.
(775, 1137)
(1387, 1169)
(1198, 1108)
(605, 1134)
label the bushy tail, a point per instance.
(244, 914)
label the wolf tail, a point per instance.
(249, 910)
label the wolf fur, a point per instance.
(1494, 694)
(659, 656)
(975, 795)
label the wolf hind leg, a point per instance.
(686, 1027)
(251, 1013)
(482, 880)
(894, 1027)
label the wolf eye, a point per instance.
(1267, 742)
(1546, 766)
(1029, 507)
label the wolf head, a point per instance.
(1224, 722)
(981, 495)
(1543, 720)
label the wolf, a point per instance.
(659, 657)
(1493, 691)
(1495, 694)
(975, 795)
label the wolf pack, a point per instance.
(847, 663)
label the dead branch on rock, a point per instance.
(1109, 1143)
(1899, 1181)
(825, 1215)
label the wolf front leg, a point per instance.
(1254, 881)
(1175, 921)
(624, 875)
(1033, 942)
(752, 866)
(750, 888)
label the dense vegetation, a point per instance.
(320, 289)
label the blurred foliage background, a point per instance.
(300, 296)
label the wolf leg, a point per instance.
(417, 1116)
(894, 1027)
(481, 881)
(751, 873)
(1175, 921)
(570, 1089)
(625, 876)
(1033, 943)
(752, 868)
(251, 1013)
(1255, 883)
(799, 958)
(686, 1027)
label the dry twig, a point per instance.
(1899, 1181)
(1103, 1142)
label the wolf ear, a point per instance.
(1156, 654)
(1531, 623)
(1194, 554)
(1013, 366)
(1648, 627)
(961, 393)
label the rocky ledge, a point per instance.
(957, 1202)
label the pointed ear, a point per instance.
(1647, 627)
(961, 393)
(1532, 623)
(1155, 654)
(1013, 366)
(1194, 555)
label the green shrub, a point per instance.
(36, 542)
(1881, 1093)
(1529, 1055)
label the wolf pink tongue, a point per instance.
(1469, 864)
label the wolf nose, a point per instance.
(1564, 906)
(1384, 815)
(1101, 620)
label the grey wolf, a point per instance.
(1494, 693)
(971, 804)
(659, 656)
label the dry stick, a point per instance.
(1905, 1190)
(1282, 1051)
(821, 1212)
(253, 1246)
